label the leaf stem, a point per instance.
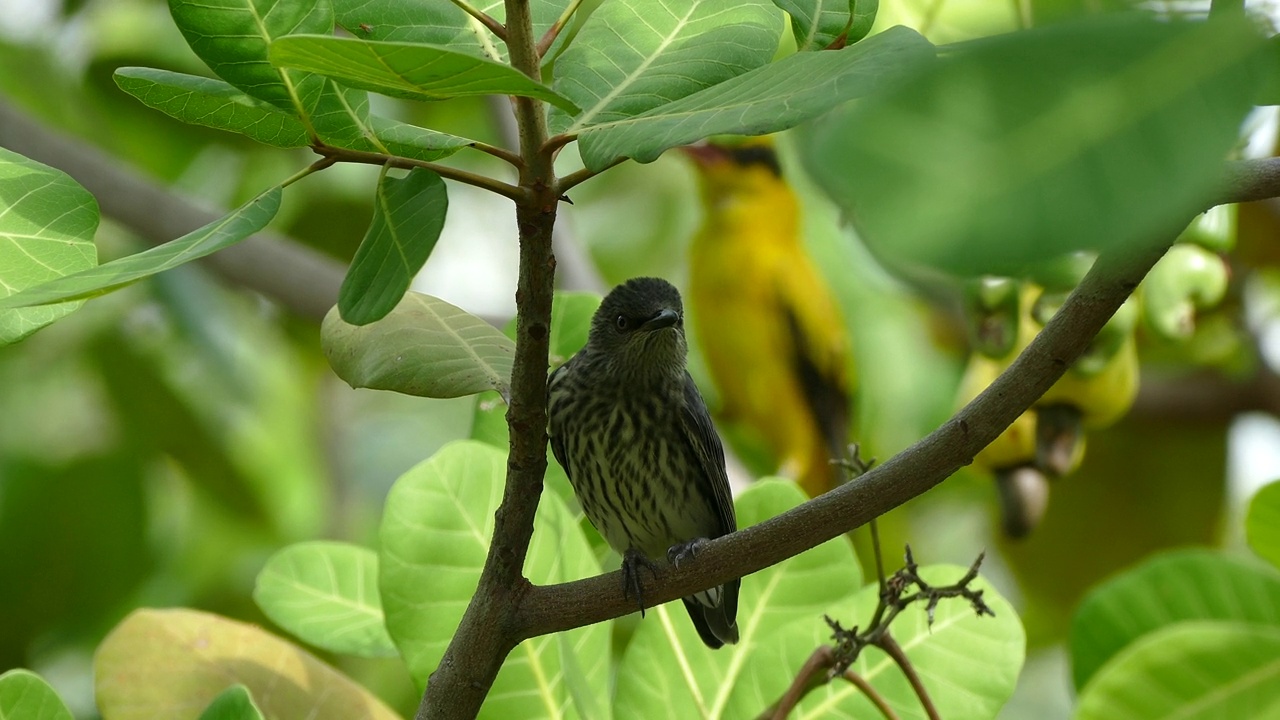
(549, 38)
(316, 166)
(335, 154)
(484, 18)
(577, 177)
(501, 153)
(894, 650)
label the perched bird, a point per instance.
(775, 344)
(634, 436)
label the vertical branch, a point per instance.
(487, 632)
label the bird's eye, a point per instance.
(622, 323)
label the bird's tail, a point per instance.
(714, 614)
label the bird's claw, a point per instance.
(677, 554)
(632, 586)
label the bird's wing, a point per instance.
(820, 366)
(557, 442)
(702, 435)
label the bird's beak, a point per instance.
(664, 319)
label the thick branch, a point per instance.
(488, 631)
(299, 278)
(906, 475)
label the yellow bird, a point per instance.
(768, 326)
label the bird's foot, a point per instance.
(677, 554)
(632, 586)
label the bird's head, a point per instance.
(740, 168)
(639, 328)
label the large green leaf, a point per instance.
(234, 703)
(232, 36)
(405, 70)
(1196, 670)
(769, 99)
(47, 222)
(326, 594)
(408, 214)
(172, 663)
(1028, 146)
(969, 664)
(24, 695)
(434, 538)
(212, 103)
(634, 55)
(1169, 588)
(341, 118)
(1262, 524)
(668, 672)
(424, 347)
(101, 279)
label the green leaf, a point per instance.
(817, 23)
(171, 663)
(633, 55)
(25, 695)
(667, 666)
(46, 232)
(234, 703)
(439, 23)
(424, 347)
(221, 233)
(1262, 524)
(434, 538)
(326, 594)
(1167, 589)
(341, 118)
(769, 99)
(1199, 669)
(232, 36)
(404, 70)
(415, 142)
(1084, 136)
(968, 664)
(408, 214)
(211, 103)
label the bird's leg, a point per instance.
(677, 554)
(632, 561)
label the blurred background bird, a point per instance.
(768, 326)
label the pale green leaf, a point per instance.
(415, 72)
(424, 347)
(211, 103)
(439, 23)
(1194, 670)
(342, 119)
(1023, 147)
(434, 538)
(172, 663)
(1167, 589)
(769, 99)
(98, 280)
(633, 55)
(47, 222)
(667, 666)
(326, 594)
(816, 24)
(25, 695)
(968, 664)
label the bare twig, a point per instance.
(518, 194)
(894, 650)
(815, 673)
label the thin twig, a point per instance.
(501, 153)
(316, 166)
(485, 19)
(872, 694)
(549, 38)
(815, 673)
(894, 650)
(568, 182)
(507, 190)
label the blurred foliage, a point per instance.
(164, 445)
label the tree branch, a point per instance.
(488, 629)
(301, 279)
(909, 474)
(513, 192)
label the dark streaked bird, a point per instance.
(635, 438)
